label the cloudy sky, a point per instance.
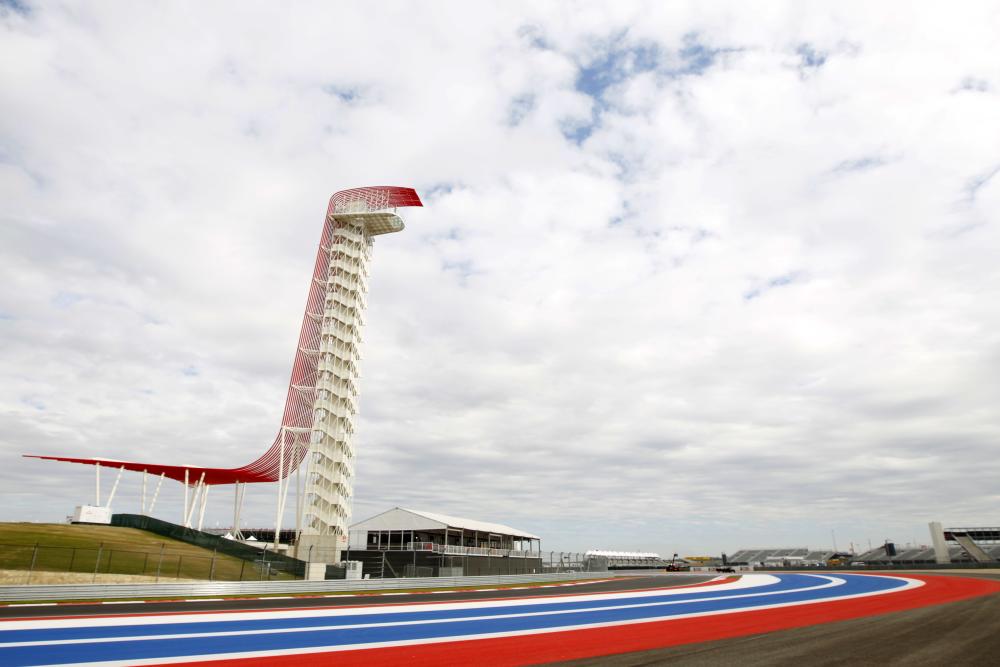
(688, 278)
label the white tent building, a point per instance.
(415, 530)
(404, 542)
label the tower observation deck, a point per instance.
(318, 424)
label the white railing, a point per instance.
(449, 549)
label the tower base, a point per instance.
(320, 548)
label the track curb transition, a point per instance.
(94, 592)
(303, 596)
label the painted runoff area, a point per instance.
(506, 631)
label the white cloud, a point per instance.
(755, 303)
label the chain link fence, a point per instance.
(571, 561)
(162, 565)
(270, 562)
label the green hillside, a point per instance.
(76, 548)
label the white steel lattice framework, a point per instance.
(356, 217)
(319, 418)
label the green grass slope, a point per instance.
(111, 549)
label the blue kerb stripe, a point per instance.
(145, 630)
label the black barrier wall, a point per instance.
(388, 564)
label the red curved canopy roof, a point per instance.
(212, 475)
(297, 419)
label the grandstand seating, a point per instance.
(806, 556)
(627, 559)
(819, 555)
(910, 555)
(922, 555)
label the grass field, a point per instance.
(111, 549)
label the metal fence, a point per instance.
(417, 571)
(567, 561)
(187, 590)
(160, 565)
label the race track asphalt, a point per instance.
(953, 634)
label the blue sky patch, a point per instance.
(614, 66)
(577, 131)
(773, 283)
(696, 57)
(519, 109)
(618, 63)
(343, 93)
(534, 36)
(19, 6)
(811, 58)
(976, 183)
(436, 190)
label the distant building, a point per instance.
(402, 542)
